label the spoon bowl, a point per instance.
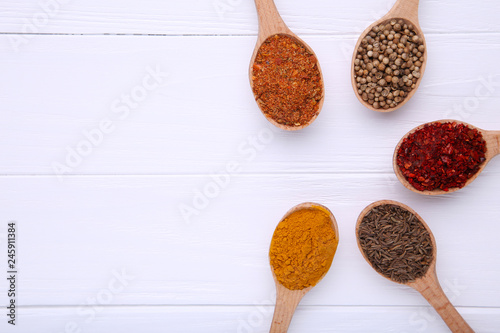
(270, 24)
(427, 285)
(492, 139)
(407, 10)
(287, 300)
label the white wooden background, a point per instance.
(103, 246)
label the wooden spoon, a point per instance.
(286, 303)
(427, 285)
(286, 299)
(408, 11)
(270, 24)
(492, 139)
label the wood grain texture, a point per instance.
(106, 248)
(430, 288)
(235, 17)
(74, 234)
(252, 318)
(493, 141)
(286, 303)
(270, 21)
(204, 114)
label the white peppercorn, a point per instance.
(388, 63)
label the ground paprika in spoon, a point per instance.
(441, 155)
(286, 81)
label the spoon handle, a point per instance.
(429, 287)
(286, 303)
(405, 9)
(270, 21)
(493, 142)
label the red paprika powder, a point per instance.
(287, 81)
(441, 156)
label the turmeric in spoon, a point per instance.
(303, 247)
(301, 253)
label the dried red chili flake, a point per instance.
(287, 81)
(441, 156)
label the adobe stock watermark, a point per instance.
(259, 317)
(222, 7)
(421, 318)
(88, 312)
(120, 109)
(485, 88)
(247, 151)
(48, 9)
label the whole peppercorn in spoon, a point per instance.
(443, 156)
(389, 59)
(285, 76)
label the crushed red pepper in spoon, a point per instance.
(441, 155)
(287, 81)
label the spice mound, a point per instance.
(388, 63)
(287, 81)
(441, 156)
(396, 243)
(302, 248)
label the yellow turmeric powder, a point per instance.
(302, 247)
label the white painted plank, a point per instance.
(203, 114)
(76, 236)
(122, 242)
(232, 16)
(243, 319)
